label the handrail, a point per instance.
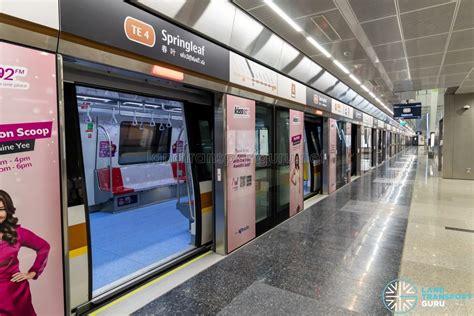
(178, 171)
(107, 135)
(188, 183)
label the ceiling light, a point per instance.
(354, 78)
(364, 88)
(319, 47)
(283, 15)
(372, 95)
(338, 64)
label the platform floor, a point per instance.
(334, 258)
(127, 242)
(337, 256)
(439, 242)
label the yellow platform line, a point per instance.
(144, 286)
(207, 209)
(77, 252)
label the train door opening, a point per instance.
(141, 191)
(380, 145)
(390, 144)
(312, 167)
(264, 184)
(366, 148)
(282, 165)
(342, 167)
(272, 166)
(355, 129)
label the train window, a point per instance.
(143, 143)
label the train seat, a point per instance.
(147, 177)
(117, 182)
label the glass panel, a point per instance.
(317, 161)
(206, 150)
(282, 159)
(306, 167)
(263, 148)
(380, 146)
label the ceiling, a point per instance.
(392, 46)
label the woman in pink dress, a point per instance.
(15, 295)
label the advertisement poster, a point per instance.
(31, 258)
(296, 161)
(240, 171)
(332, 154)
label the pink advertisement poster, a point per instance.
(296, 161)
(31, 257)
(240, 171)
(332, 154)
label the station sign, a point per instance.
(318, 100)
(132, 29)
(407, 111)
(358, 115)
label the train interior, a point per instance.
(342, 143)
(312, 165)
(366, 148)
(354, 132)
(138, 183)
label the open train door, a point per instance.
(199, 126)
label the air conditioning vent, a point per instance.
(323, 24)
(373, 83)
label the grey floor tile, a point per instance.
(334, 258)
(262, 299)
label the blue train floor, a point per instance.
(126, 242)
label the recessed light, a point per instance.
(318, 46)
(354, 78)
(338, 64)
(283, 15)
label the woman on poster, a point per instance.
(15, 295)
(296, 181)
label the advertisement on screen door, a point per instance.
(31, 257)
(296, 161)
(240, 171)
